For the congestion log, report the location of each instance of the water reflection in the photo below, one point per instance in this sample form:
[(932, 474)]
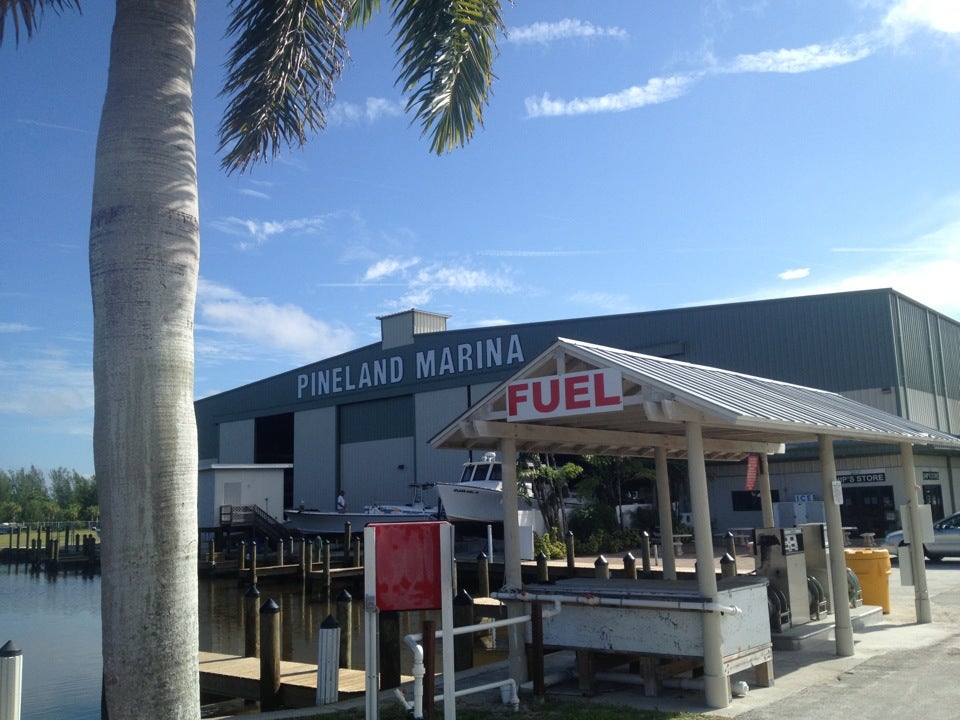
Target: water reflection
[(55, 620)]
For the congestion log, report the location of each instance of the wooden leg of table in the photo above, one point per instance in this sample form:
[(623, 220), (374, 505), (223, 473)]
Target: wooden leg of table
[(586, 672), (764, 674)]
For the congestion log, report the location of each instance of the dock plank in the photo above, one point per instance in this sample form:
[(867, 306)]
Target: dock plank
[(239, 677)]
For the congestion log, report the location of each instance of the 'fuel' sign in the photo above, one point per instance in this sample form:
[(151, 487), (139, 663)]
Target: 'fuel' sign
[(559, 395)]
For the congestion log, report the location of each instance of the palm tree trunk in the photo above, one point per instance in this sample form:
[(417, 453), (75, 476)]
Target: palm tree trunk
[(144, 262)]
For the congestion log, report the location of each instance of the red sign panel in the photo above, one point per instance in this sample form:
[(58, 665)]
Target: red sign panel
[(408, 565), (753, 462), (571, 394)]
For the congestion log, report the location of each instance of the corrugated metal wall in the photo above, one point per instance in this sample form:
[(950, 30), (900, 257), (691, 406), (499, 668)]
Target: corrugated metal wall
[(377, 419), (929, 355)]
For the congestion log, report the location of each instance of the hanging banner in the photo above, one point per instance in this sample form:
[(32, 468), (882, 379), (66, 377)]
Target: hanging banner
[(753, 467)]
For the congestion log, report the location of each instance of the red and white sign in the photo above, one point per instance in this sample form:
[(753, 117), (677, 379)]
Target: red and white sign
[(753, 467), (560, 395)]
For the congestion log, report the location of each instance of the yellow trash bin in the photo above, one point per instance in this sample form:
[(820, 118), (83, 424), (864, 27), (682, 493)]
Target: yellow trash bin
[(872, 568)]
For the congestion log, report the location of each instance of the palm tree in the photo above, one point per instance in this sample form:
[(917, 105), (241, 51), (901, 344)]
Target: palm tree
[(144, 260)]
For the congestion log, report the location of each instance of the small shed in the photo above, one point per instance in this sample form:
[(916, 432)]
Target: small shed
[(239, 485), (582, 398)]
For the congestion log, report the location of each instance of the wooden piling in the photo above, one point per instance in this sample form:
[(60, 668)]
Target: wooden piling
[(463, 644), (728, 566), (389, 639), (571, 558), (483, 575), (251, 622), (327, 575), (270, 656), (345, 618), (543, 571), (536, 635), (601, 568), (630, 566)]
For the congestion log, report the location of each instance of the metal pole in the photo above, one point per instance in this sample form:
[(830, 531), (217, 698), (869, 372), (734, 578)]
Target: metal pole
[(666, 514), (516, 656), (920, 594), (715, 683), (832, 499)]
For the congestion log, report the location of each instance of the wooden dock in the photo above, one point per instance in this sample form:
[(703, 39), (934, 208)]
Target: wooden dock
[(235, 676)]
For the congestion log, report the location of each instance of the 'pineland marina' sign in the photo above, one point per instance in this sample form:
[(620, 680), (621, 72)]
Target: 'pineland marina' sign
[(578, 393)]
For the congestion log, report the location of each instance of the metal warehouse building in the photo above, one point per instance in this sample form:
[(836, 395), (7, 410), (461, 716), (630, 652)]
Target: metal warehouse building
[(361, 421)]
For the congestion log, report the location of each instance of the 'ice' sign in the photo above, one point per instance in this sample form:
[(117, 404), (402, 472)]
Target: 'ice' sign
[(571, 394)]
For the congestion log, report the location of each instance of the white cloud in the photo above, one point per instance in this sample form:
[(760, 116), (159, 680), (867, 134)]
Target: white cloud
[(6, 327), (267, 328), (49, 386), (544, 32), (427, 281), (373, 109), (794, 274), (254, 194), (657, 90), (387, 267), (942, 16), (257, 232), (800, 60)]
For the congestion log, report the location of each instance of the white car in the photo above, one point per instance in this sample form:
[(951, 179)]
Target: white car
[(946, 542)]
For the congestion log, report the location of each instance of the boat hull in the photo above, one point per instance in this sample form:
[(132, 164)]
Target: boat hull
[(468, 502), (318, 522)]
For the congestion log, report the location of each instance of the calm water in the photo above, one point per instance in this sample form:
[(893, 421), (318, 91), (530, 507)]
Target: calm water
[(55, 621)]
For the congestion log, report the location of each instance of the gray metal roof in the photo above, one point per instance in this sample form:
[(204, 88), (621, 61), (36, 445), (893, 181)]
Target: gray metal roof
[(739, 414)]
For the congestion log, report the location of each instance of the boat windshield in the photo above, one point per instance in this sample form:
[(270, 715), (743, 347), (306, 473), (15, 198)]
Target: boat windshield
[(496, 472)]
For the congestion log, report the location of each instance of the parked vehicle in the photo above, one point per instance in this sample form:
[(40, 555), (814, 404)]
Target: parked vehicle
[(946, 533)]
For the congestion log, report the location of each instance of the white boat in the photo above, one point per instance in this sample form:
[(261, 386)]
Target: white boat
[(478, 496), (309, 521)]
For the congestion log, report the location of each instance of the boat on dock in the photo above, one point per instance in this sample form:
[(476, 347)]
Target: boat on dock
[(309, 521), (478, 496)]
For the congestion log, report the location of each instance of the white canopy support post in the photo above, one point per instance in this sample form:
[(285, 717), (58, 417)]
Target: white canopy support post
[(715, 683), (665, 507), (511, 556), (838, 561), (920, 594), (766, 496)]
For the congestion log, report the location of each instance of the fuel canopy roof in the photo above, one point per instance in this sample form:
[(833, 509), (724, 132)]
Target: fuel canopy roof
[(739, 414)]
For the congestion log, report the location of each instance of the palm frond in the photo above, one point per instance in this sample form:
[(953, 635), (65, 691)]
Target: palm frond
[(284, 61), (446, 50), (29, 13)]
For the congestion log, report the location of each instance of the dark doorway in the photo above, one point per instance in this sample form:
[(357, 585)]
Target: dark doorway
[(869, 509), (933, 496)]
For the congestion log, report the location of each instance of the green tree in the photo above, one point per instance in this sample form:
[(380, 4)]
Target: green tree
[(549, 484), (612, 479), (144, 262)]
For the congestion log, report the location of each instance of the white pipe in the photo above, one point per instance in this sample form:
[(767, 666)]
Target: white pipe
[(413, 642), (418, 673), (687, 605)]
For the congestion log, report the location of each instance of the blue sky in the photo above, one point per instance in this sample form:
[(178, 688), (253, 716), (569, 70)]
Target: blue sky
[(635, 156)]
